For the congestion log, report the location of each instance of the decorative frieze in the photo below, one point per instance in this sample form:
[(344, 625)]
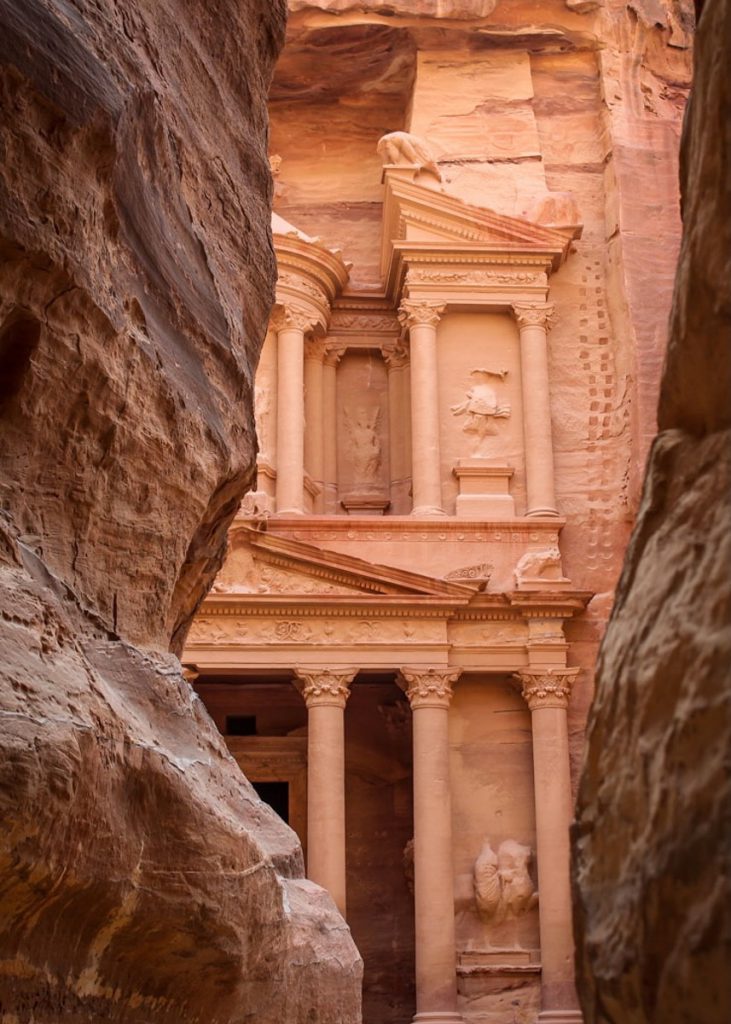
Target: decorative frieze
[(546, 688), (430, 687), (480, 278)]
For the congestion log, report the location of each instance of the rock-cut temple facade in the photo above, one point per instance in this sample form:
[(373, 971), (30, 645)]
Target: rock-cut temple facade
[(452, 405)]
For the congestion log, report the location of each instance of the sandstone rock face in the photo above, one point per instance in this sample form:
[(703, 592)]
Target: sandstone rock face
[(141, 879), (652, 870)]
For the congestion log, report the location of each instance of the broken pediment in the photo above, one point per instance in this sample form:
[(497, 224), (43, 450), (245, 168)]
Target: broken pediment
[(425, 224), (262, 565)]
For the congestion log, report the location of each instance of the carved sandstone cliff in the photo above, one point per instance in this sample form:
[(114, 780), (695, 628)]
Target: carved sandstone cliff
[(140, 877), (652, 871)]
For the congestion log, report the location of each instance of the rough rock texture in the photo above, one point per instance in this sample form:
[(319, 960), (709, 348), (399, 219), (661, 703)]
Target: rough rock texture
[(140, 877), (652, 844)]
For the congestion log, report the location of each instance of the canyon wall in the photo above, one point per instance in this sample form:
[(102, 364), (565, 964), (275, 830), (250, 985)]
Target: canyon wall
[(652, 842), (141, 879)]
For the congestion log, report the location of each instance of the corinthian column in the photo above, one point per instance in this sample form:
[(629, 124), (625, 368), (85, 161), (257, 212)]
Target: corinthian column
[(290, 323), (547, 694), (533, 323), (314, 417), (422, 318), (430, 691), (325, 692)]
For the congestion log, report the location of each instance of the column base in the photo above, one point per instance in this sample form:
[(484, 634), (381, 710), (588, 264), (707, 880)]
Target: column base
[(427, 510), (560, 1017), (546, 511), (440, 1017)]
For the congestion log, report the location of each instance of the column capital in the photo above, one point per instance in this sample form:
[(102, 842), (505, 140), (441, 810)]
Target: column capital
[(534, 314), (291, 317), (334, 352), (326, 686), (418, 312), (315, 349), (546, 687), (429, 687), (395, 354)]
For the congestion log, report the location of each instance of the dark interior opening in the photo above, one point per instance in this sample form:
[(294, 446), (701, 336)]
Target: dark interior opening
[(19, 338), (276, 794), (241, 725)]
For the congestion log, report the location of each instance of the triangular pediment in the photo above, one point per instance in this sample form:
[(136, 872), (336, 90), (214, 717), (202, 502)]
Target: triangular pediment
[(440, 216), (261, 565), (419, 216)]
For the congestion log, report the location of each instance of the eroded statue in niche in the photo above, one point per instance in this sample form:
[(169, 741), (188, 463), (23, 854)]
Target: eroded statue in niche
[(481, 405), (365, 444), (503, 886), (403, 149)]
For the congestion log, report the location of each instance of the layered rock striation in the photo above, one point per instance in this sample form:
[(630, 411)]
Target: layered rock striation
[(652, 843), (141, 879)]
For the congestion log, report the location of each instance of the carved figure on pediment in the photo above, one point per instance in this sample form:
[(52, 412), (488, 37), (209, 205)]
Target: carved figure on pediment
[(539, 565), (503, 886), (403, 149), (481, 405), (365, 455)]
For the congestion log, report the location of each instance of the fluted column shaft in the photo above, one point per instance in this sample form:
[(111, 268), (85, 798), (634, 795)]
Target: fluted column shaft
[(547, 695), (533, 324), (314, 450), (290, 325), (326, 692), (430, 692), (422, 318)]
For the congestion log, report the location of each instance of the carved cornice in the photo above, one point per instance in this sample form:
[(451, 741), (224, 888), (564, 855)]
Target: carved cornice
[(546, 688), (415, 313), (535, 314), (326, 686), (291, 317), (429, 687)]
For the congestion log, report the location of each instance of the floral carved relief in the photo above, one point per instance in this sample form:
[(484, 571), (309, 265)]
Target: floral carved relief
[(550, 688), (430, 687)]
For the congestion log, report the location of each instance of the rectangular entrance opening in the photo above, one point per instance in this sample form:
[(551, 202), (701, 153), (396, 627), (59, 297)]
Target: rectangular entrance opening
[(276, 794)]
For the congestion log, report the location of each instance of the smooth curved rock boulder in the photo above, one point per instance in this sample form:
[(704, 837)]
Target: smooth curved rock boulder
[(651, 848), (141, 879)]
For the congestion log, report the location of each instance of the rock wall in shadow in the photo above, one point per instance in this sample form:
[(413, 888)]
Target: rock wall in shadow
[(141, 879), (652, 843)]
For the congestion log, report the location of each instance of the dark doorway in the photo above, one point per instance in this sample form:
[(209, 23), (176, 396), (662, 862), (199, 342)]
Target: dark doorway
[(276, 794)]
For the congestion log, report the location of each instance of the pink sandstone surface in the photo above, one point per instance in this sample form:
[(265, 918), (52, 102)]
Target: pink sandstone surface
[(651, 852), (141, 879)]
